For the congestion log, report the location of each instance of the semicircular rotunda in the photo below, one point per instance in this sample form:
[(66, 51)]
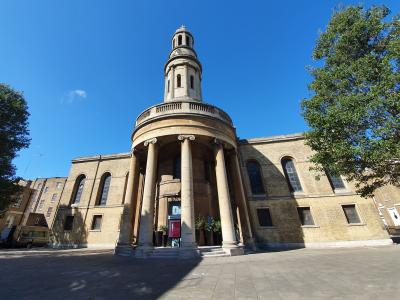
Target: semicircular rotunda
[(186, 150)]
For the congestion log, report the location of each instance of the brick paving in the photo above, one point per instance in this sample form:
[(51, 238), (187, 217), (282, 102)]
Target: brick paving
[(358, 273)]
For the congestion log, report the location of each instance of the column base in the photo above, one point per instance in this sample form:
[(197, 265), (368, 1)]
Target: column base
[(189, 252), (143, 251), (123, 250), (231, 248)]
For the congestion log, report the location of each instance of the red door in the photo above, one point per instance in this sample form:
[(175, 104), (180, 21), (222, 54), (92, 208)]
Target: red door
[(174, 229)]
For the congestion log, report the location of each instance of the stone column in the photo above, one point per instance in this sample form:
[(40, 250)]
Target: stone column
[(125, 233), (229, 243), (241, 200), (188, 239), (147, 212)]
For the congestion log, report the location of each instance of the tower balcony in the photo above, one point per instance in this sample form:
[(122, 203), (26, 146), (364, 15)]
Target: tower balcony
[(183, 108)]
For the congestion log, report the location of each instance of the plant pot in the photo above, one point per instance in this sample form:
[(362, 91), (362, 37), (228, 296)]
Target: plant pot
[(164, 240), (217, 238), (159, 238)]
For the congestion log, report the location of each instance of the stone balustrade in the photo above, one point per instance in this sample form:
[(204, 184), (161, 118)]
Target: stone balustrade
[(182, 108)]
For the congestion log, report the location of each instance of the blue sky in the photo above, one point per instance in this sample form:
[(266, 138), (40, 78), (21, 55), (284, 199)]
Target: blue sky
[(88, 68)]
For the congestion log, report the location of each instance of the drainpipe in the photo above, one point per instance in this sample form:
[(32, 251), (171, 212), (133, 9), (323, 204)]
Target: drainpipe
[(90, 196)]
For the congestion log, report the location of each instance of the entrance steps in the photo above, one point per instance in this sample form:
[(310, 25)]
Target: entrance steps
[(212, 251), (169, 252)]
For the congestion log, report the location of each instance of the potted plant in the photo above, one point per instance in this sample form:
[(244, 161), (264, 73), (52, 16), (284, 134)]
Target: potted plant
[(164, 230)]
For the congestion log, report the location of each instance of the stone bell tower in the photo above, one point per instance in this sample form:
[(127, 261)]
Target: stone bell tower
[(182, 152), (182, 71)]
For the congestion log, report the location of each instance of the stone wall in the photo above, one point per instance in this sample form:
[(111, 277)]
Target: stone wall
[(330, 225), (82, 234)]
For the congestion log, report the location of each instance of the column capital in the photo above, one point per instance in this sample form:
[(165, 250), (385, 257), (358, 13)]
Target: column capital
[(134, 151), (151, 141), (189, 137), (217, 142)]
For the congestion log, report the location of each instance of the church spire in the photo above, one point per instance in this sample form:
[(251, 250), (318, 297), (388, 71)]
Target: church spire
[(183, 70)]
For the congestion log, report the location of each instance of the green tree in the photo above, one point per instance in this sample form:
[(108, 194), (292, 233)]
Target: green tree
[(354, 111), (14, 136)]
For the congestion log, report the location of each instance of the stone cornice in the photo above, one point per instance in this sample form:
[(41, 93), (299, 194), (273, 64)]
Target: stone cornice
[(273, 139), (101, 157)]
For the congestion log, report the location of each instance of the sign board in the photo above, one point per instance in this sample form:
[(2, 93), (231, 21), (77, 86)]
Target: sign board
[(174, 229)]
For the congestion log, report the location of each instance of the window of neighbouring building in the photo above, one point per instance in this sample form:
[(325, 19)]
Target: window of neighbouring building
[(255, 177), (58, 185), (53, 197), (46, 189), (41, 204), (305, 216), (291, 175), (351, 214), (49, 211), (69, 221), (18, 201), (96, 223), (264, 217)]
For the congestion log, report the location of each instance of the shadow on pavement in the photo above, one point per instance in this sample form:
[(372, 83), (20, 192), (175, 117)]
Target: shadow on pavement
[(100, 276)]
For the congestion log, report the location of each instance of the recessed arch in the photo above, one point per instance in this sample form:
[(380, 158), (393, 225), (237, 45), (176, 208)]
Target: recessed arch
[(191, 81), (179, 40), (178, 80), (254, 173)]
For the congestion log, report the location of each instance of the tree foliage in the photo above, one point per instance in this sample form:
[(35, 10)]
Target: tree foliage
[(354, 111), (14, 136)]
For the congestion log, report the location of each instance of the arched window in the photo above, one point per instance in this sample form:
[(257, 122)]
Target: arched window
[(256, 182), (191, 81), (177, 167), (173, 43), (187, 41), (168, 86), (79, 184), (178, 80), (335, 181), (104, 187), (179, 40), (291, 175)]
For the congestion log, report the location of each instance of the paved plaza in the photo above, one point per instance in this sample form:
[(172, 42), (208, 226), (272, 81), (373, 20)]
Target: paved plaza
[(358, 273)]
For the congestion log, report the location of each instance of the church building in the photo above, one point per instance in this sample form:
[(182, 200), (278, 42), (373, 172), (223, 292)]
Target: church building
[(188, 182)]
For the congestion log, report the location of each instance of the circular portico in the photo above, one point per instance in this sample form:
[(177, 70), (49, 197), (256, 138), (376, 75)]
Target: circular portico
[(184, 151)]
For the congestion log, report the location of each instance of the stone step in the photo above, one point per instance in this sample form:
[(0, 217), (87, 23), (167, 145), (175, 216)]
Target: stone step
[(215, 254), (210, 249)]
